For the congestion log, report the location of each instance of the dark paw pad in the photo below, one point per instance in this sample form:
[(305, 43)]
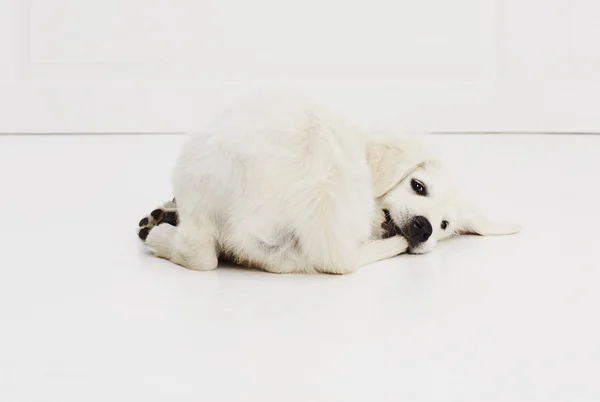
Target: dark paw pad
[(143, 233), (170, 218), (157, 214)]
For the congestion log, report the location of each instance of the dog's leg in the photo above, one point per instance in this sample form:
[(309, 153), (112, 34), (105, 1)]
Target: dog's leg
[(382, 249), (194, 246), (159, 240), (368, 253), (188, 245)]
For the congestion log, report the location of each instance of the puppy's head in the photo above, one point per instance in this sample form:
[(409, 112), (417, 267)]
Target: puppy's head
[(419, 202)]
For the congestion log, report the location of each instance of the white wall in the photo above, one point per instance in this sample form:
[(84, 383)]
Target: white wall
[(169, 65)]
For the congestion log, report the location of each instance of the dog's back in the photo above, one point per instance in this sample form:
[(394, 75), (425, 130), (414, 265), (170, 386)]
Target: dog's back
[(273, 181)]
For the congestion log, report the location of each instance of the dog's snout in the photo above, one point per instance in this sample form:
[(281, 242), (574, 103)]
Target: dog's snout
[(421, 229)]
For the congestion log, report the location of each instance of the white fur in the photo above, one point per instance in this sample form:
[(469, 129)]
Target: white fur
[(285, 185)]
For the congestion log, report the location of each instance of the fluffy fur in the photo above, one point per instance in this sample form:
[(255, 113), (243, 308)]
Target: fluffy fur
[(284, 185)]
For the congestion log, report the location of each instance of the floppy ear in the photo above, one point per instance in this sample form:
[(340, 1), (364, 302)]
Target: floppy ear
[(389, 166), (473, 222)]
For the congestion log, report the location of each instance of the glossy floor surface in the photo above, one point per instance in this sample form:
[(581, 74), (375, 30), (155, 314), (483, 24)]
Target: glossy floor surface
[(87, 315)]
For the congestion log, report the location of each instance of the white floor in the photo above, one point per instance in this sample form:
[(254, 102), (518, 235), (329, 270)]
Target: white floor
[(88, 316)]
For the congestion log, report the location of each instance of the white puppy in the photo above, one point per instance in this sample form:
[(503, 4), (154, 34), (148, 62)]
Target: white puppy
[(284, 185)]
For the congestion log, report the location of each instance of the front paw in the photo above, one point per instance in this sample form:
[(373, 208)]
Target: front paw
[(400, 244)]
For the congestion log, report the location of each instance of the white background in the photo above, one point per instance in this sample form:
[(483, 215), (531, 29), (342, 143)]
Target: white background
[(169, 65), (87, 315)]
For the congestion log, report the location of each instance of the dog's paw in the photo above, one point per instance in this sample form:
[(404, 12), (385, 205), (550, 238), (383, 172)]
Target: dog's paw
[(167, 213), (400, 244), (159, 239)]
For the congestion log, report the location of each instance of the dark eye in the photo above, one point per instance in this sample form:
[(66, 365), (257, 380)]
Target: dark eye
[(418, 187), (444, 225)]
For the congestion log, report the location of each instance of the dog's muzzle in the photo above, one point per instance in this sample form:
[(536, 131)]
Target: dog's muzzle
[(417, 231)]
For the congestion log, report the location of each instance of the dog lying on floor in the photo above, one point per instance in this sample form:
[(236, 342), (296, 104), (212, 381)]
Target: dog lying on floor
[(284, 185)]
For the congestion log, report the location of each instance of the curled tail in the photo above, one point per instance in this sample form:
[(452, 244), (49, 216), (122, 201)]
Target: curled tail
[(167, 213)]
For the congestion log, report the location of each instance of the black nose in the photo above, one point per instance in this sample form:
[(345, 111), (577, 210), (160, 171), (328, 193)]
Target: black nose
[(420, 229)]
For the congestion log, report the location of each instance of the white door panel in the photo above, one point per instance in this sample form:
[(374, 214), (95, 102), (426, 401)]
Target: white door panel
[(169, 65)]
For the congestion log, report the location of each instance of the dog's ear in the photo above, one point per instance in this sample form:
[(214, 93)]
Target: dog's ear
[(389, 165), (472, 221)]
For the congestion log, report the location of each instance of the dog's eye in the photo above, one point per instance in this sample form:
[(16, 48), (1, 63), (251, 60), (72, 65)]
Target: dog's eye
[(418, 187), (444, 225)]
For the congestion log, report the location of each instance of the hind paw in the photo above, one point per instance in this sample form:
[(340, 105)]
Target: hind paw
[(167, 213)]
